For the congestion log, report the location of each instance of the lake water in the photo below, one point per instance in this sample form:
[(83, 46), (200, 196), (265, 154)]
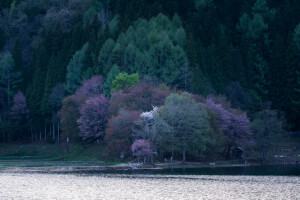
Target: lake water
[(167, 184)]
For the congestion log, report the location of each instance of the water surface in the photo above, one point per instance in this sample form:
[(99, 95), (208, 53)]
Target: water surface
[(147, 185)]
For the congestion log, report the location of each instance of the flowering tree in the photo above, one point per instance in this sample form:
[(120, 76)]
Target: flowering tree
[(152, 127), (70, 111), (141, 148), (93, 117), (141, 97), (234, 124), (91, 87), (119, 132)]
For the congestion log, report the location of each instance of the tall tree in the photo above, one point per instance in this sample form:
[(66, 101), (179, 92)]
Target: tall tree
[(9, 78), (75, 70)]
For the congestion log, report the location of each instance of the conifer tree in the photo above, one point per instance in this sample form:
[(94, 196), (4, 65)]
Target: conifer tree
[(75, 70), (114, 71)]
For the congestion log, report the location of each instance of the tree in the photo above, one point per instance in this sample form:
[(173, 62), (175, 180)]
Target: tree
[(297, 36), (103, 57), (119, 132), (124, 80), (69, 114), (112, 74), (56, 96), (152, 127), (8, 77), (19, 109), (91, 87), (234, 124), (189, 123), (268, 128), (238, 97), (75, 70), (93, 118), (140, 97), (141, 148), (20, 115), (55, 99)]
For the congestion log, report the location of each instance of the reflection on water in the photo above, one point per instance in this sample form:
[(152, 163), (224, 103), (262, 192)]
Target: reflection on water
[(146, 186)]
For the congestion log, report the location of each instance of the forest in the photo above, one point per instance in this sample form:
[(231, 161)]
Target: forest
[(189, 79)]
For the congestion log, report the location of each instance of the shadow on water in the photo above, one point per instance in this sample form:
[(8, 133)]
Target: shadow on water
[(269, 170)]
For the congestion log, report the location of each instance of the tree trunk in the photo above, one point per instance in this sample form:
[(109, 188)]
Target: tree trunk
[(183, 155), (58, 132), (228, 151), (53, 130), (45, 134)]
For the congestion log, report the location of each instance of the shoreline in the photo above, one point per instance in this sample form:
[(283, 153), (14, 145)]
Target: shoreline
[(121, 168)]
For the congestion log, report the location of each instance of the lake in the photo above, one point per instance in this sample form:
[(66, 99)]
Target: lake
[(271, 182)]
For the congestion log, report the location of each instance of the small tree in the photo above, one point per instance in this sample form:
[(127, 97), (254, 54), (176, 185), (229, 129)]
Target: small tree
[(141, 148), (93, 118)]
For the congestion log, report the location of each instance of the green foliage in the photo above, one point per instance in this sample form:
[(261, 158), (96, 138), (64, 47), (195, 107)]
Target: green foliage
[(124, 80), (190, 124), (154, 47), (297, 36), (75, 70), (89, 16), (9, 78), (114, 71), (104, 55)]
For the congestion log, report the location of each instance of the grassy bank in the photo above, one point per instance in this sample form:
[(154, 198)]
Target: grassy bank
[(45, 155)]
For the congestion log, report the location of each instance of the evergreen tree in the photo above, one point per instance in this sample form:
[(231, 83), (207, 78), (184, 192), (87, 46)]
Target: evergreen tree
[(75, 70), (114, 71), (9, 78)]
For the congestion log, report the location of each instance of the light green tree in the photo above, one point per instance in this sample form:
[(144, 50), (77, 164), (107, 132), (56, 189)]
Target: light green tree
[(124, 80)]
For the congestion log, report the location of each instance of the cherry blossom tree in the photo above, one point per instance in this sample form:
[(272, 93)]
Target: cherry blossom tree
[(141, 148), (119, 132), (140, 97), (233, 123), (91, 87), (93, 118)]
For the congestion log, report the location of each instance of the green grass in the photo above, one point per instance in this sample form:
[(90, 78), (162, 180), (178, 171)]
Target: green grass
[(45, 155)]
